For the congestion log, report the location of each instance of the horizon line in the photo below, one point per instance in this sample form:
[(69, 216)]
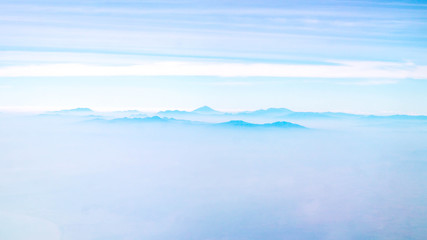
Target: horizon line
[(45, 109)]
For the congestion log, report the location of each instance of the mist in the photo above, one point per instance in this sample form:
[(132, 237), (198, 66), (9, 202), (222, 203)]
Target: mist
[(84, 177)]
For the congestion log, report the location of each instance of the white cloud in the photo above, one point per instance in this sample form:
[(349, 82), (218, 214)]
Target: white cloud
[(34, 57), (342, 69), (371, 82)]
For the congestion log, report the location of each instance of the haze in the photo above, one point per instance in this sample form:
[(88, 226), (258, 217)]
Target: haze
[(113, 175)]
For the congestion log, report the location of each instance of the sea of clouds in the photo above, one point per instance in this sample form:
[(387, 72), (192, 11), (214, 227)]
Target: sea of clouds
[(78, 177)]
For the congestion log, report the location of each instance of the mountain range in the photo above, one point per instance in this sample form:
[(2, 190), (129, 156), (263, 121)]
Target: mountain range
[(232, 123), (284, 113), (206, 113)]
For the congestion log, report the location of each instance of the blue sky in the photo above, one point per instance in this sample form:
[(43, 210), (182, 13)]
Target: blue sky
[(351, 56)]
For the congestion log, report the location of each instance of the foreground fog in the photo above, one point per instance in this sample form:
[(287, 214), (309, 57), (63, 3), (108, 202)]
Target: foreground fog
[(76, 177)]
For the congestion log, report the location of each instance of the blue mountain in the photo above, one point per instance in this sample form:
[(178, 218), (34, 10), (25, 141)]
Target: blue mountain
[(237, 123), (173, 112), (155, 119), (75, 110), (266, 112), (243, 124), (233, 123), (283, 124), (307, 115), (205, 110)]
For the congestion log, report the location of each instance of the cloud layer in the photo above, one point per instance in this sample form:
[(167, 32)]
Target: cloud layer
[(350, 69)]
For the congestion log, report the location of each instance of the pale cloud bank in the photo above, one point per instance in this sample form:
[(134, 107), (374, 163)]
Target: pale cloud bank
[(340, 69)]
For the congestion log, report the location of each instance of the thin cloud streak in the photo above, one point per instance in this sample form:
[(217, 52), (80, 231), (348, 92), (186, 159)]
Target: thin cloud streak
[(191, 10), (371, 82), (343, 69)]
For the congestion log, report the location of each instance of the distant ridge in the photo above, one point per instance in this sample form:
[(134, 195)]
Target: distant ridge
[(154, 119), (266, 112), (273, 111), (232, 123), (174, 112), (283, 124), (75, 110), (240, 123), (269, 114), (237, 123), (308, 115), (205, 110)]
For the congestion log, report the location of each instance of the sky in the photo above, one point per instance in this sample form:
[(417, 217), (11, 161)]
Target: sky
[(348, 56)]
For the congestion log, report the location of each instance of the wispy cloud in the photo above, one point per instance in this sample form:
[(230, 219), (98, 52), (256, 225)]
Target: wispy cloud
[(243, 29), (370, 82), (342, 69)]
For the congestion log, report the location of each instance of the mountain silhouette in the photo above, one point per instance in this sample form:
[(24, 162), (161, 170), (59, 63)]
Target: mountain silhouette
[(232, 123), (75, 110), (155, 119), (205, 110), (240, 123)]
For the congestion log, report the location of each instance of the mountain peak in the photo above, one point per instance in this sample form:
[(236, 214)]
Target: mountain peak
[(80, 110), (205, 109), (74, 110)]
